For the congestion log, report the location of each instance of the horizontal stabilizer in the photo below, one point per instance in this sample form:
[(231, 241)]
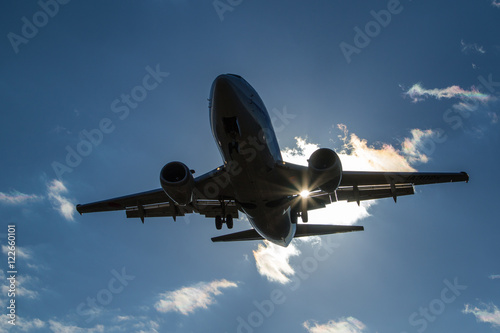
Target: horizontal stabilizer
[(251, 234), (303, 230)]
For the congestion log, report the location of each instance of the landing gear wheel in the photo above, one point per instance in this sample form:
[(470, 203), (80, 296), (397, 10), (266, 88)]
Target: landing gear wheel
[(218, 222), (293, 217), (229, 221), (304, 216)]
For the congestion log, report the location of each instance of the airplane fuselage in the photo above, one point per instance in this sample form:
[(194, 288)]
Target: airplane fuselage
[(246, 140)]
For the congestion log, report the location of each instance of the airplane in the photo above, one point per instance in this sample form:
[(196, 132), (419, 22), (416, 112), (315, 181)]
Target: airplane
[(255, 180)]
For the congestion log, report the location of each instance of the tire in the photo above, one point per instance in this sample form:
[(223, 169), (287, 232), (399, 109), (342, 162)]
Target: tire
[(229, 221), (218, 222)]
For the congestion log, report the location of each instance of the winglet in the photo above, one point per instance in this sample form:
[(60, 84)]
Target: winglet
[(78, 209), (466, 176)]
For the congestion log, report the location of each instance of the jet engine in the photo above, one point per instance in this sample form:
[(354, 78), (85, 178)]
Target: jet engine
[(178, 183), (325, 170)]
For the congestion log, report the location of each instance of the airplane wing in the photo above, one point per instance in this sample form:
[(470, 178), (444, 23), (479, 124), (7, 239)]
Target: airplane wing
[(357, 186), (364, 185), (155, 203)]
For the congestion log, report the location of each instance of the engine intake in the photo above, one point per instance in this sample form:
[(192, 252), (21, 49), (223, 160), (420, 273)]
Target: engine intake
[(178, 183), (325, 169)]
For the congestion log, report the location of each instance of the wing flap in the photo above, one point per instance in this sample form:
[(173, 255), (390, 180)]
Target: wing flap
[(350, 194)]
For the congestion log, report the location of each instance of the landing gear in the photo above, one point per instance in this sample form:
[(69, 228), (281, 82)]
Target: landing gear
[(228, 220)]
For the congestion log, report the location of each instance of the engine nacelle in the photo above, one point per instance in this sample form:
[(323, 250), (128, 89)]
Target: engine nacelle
[(325, 170), (178, 183)]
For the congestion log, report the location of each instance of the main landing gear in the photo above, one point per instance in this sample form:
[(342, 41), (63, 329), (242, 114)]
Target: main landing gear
[(228, 221)]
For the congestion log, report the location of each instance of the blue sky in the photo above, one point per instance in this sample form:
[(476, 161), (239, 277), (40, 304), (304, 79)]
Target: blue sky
[(408, 85)]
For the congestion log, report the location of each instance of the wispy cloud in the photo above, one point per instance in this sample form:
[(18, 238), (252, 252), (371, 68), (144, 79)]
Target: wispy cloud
[(418, 93), (273, 261), (55, 191), (21, 252), (17, 198), (187, 299), (22, 324), (343, 325), (473, 47), (413, 148), (21, 289), (494, 276), (495, 3), (62, 204), (488, 314), (60, 327), (493, 117)]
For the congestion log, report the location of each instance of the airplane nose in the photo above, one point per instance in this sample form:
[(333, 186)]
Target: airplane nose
[(223, 87), (226, 99)]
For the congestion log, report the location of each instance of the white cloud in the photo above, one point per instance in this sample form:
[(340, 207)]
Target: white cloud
[(495, 3), (29, 325), (413, 148), (22, 324), (471, 47), (59, 327), (494, 117), (489, 314), (417, 93), (187, 299), (273, 261), (494, 276), (21, 252), (344, 325), (60, 203), (21, 290), (17, 198)]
